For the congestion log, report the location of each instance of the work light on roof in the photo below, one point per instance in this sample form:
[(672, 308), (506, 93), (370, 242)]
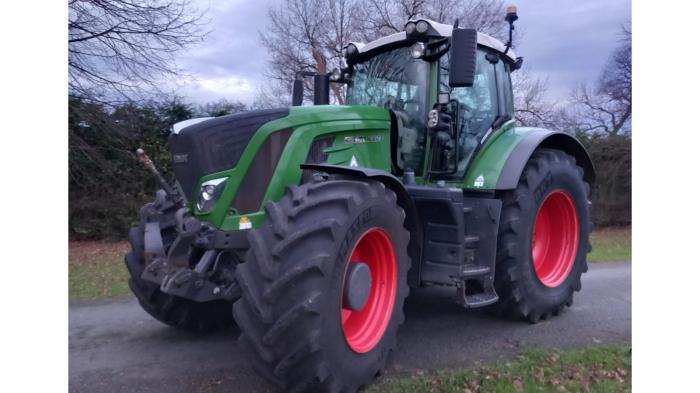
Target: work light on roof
[(410, 28), (350, 51), (421, 30), (422, 26), (418, 50)]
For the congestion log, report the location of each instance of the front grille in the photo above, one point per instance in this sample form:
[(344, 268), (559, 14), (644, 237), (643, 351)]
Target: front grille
[(317, 155), (215, 145), (257, 178)]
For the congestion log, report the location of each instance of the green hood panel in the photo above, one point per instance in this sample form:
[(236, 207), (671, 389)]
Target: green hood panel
[(322, 113), (361, 138)]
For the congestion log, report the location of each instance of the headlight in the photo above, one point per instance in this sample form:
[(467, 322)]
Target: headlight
[(209, 193)]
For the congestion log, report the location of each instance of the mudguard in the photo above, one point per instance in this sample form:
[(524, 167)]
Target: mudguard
[(500, 163), (541, 138)]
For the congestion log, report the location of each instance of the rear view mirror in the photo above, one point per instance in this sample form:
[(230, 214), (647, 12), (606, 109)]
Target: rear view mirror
[(463, 57)]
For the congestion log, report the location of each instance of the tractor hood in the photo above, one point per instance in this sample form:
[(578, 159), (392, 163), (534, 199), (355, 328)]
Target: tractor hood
[(218, 144), (215, 144)]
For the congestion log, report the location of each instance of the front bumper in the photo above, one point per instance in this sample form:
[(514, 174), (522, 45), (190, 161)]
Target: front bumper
[(199, 264)]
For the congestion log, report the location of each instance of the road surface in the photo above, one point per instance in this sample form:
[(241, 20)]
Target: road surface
[(117, 347)]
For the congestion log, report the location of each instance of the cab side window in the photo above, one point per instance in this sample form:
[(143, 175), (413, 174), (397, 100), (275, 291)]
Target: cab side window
[(503, 70), (478, 105)]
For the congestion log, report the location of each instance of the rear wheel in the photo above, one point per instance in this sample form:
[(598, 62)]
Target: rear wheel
[(323, 286), (543, 238)]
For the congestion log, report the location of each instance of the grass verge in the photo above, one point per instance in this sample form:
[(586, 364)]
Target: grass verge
[(611, 244), (604, 369), (96, 269)]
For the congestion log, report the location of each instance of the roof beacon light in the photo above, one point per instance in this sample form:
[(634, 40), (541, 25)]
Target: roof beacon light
[(511, 16)]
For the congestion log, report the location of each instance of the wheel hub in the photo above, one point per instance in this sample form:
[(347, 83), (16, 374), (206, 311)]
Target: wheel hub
[(555, 238), (369, 290), (358, 283)]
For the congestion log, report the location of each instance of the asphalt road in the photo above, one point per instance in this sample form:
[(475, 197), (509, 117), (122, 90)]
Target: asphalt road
[(117, 347)]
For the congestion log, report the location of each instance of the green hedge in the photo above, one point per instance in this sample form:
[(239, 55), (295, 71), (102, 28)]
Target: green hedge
[(107, 185), (612, 193)]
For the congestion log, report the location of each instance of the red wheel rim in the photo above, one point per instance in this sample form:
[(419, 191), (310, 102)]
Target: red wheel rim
[(364, 328), (555, 238)]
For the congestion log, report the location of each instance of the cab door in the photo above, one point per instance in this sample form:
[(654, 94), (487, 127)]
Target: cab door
[(482, 108)]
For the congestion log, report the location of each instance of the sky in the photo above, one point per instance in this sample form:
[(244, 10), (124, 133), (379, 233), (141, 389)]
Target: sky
[(565, 41)]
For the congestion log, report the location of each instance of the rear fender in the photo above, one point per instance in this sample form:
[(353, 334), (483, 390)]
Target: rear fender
[(515, 164), (500, 163)]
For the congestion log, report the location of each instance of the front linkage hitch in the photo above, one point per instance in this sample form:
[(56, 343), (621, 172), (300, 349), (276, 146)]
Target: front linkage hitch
[(173, 271), (200, 263)]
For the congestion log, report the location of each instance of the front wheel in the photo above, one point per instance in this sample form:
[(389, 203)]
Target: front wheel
[(543, 238), (323, 286)]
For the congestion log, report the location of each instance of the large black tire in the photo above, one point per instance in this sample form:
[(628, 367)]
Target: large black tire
[(171, 310), (522, 293), (289, 312)]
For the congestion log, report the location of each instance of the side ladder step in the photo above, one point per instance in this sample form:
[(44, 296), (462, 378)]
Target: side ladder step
[(480, 299), (471, 241), (475, 300), (470, 271)]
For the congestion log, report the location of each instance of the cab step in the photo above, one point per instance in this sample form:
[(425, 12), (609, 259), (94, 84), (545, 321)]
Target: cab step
[(472, 271), (471, 242), (480, 300)]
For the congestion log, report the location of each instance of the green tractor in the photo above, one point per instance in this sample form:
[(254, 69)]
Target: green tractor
[(306, 226)]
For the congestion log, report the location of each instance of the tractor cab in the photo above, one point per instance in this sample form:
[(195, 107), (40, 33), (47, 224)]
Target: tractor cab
[(447, 89)]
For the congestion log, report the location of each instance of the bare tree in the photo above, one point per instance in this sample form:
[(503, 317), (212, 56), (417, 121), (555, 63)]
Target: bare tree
[(119, 49), (532, 107), (607, 107), (310, 34), (307, 35), (383, 17)]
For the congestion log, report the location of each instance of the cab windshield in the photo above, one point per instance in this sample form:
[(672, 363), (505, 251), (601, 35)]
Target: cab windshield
[(394, 80)]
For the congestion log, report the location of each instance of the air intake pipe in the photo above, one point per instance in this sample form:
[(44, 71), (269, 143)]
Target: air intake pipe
[(321, 88)]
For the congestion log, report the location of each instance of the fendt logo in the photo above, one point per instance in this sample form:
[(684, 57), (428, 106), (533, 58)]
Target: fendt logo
[(180, 158), (362, 139)]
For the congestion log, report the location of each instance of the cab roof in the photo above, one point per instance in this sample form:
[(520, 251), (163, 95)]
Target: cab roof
[(444, 30)]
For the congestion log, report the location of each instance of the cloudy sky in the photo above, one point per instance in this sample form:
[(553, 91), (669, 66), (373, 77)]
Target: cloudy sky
[(566, 41)]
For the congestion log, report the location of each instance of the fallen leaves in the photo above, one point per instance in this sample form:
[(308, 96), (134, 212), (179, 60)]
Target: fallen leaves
[(518, 384), (587, 371)]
